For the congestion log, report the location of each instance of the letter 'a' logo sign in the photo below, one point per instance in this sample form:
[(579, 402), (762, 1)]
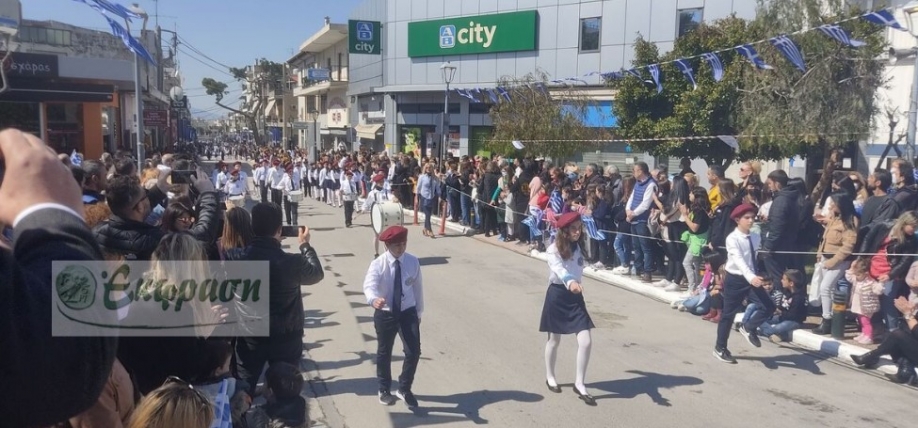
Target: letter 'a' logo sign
[(365, 31), (447, 36)]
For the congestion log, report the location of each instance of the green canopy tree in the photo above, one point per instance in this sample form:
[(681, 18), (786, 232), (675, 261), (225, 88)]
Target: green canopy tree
[(549, 121), (776, 113), (267, 73)]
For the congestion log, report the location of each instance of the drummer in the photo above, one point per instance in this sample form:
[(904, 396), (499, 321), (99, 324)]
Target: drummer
[(234, 187), (377, 195), (291, 183)]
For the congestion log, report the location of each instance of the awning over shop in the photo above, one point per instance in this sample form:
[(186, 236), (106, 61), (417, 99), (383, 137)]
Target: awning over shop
[(45, 91), (368, 131), (270, 108)]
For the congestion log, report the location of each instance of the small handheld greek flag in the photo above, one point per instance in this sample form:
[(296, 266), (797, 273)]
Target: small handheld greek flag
[(75, 158), (556, 202), (592, 230)]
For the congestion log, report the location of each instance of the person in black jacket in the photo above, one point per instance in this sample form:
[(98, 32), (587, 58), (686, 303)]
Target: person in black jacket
[(127, 234), (53, 378), (287, 273), (783, 226), (880, 206), (903, 180)]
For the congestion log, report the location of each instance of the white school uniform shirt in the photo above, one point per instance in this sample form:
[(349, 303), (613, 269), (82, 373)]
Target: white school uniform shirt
[(261, 175), (564, 271), (374, 197), (277, 174), (323, 175), (349, 189), (235, 187), (740, 259), (287, 184), (222, 178), (314, 174), (380, 282), (296, 177)]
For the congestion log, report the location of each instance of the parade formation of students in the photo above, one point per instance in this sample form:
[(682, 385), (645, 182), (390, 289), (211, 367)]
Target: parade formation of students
[(761, 248)]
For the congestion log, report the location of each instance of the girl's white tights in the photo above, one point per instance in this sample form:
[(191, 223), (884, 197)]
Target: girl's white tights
[(584, 345)]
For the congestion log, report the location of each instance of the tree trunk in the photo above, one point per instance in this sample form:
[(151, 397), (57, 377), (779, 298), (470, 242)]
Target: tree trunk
[(828, 169)]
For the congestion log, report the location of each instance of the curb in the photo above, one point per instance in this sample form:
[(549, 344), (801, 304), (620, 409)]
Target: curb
[(826, 346)]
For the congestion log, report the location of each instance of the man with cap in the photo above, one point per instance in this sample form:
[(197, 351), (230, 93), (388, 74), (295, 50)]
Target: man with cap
[(742, 282), (394, 288), (377, 195)]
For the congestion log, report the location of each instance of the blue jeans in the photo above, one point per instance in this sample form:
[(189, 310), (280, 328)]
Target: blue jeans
[(694, 307), (478, 222), (780, 328), (750, 309), (623, 249), (643, 247), (465, 202), (427, 206), (891, 290)]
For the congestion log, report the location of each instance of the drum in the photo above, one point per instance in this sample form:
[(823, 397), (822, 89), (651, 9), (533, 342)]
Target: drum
[(295, 195), (236, 201), (386, 214)]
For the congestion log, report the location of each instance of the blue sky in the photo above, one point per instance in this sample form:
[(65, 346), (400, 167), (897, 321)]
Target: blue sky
[(232, 32)]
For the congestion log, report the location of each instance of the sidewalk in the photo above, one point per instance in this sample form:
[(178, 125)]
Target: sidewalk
[(826, 346)]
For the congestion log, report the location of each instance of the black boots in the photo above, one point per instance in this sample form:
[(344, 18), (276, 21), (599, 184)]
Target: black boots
[(824, 328), (868, 360), (905, 373)]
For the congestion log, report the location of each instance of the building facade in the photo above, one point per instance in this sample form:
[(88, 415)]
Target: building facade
[(74, 87), (402, 86), (321, 72)]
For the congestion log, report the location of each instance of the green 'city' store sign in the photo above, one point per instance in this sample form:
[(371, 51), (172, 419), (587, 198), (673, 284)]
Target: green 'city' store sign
[(502, 32)]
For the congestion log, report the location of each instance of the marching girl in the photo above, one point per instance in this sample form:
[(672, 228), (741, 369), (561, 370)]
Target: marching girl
[(564, 311)]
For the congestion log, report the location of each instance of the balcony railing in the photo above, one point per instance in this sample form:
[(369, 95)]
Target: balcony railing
[(336, 74)]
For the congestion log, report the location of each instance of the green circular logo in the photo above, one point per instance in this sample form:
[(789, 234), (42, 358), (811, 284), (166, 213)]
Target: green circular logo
[(76, 287)]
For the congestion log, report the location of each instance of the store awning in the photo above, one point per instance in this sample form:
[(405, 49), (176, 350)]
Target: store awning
[(270, 108), (368, 131), (39, 91)]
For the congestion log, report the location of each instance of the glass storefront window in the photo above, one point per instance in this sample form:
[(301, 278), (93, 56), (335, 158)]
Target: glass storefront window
[(23, 116), (65, 126)]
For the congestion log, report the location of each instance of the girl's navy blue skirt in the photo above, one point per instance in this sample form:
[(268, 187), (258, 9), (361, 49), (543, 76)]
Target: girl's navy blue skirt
[(564, 312)]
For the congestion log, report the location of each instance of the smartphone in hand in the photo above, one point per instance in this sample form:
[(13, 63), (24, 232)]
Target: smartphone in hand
[(183, 177), (291, 231)]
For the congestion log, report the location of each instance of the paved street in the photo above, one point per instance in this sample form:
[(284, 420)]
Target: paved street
[(482, 354)]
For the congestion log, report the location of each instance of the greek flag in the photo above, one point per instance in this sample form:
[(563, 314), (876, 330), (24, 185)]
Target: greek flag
[(717, 66), (591, 228), (686, 69), (534, 221), (75, 158), (132, 44), (503, 92), (655, 73), (613, 75), (634, 72), (116, 9), (466, 94), (790, 50), (753, 56), (555, 201), (883, 17), (492, 95), (839, 33)]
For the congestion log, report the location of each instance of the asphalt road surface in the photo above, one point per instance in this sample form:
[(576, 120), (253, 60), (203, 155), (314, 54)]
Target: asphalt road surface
[(482, 353)]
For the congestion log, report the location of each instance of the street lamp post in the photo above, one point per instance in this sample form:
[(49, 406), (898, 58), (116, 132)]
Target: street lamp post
[(138, 91), (911, 11), (449, 72), (314, 150)]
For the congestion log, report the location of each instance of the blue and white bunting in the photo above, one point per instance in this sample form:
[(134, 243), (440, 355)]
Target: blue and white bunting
[(838, 33), (790, 50), (753, 56), (686, 69), (783, 43), (132, 44), (655, 74), (106, 6), (884, 17), (716, 65)]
